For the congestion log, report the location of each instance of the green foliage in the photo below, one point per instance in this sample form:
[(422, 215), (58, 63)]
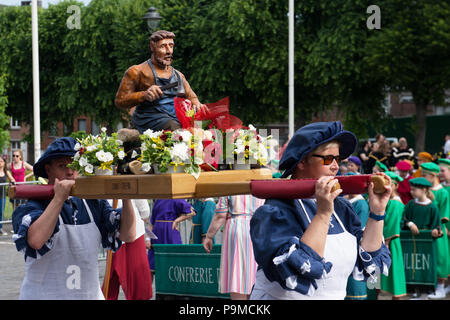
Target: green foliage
[(412, 53), (235, 48), (4, 119)]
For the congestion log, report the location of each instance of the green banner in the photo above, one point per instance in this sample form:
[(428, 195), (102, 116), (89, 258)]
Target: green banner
[(187, 270), (419, 257)]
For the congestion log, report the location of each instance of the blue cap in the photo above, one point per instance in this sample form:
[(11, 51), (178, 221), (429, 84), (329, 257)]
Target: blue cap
[(355, 160), (309, 137), (61, 147)]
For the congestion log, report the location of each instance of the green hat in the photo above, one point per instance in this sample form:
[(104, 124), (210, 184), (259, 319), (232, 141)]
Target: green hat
[(430, 167), (381, 166), (444, 161), (420, 182), (394, 177)]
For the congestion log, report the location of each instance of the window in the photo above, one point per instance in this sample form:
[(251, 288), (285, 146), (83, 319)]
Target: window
[(406, 97), (14, 124), (82, 125), (53, 131), (95, 128)]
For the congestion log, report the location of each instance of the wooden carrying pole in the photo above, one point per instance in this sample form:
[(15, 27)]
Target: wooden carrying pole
[(174, 186)]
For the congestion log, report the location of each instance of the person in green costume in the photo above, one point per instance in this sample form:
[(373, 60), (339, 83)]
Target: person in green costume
[(357, 290), (444, 177), (379, 167), (421, 212), (430, 171), (205, 209), (395, 282)]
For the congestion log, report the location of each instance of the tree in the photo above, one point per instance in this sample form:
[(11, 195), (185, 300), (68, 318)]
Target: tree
[(4, 119), (411, 52)]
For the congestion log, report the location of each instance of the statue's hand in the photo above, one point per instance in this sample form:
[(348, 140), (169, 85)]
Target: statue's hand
[(153, 93), (199, 107)]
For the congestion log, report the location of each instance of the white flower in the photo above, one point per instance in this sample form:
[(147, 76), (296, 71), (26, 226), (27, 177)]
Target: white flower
[(77, 146), (89, 168), (104, 156), (180, 152), (198, 160), (76, 157), (251, 127), (103, 129), (152, 134), (145, 167), (208, 135), (240, 147), (91, 148), (186, 135), (83, 161), (134, 154), (121, 154)]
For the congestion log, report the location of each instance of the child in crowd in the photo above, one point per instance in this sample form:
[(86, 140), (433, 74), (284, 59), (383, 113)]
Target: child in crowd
[(354, 164), (422, 157), (404, 189), (379, 167), (444, 177), (395, 282), (421, 212), (430, 171), (357, 290)]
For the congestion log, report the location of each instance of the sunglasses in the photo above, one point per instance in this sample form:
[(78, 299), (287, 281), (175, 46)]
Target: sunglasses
[(328, 159), (16, 156)]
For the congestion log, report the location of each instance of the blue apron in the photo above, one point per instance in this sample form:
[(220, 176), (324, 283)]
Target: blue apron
[(153, 115)]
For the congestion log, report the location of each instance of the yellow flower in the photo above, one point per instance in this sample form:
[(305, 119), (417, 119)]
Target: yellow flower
[(106, 165)]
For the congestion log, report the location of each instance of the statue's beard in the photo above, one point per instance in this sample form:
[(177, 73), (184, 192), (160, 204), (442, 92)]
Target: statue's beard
[(165, 61)]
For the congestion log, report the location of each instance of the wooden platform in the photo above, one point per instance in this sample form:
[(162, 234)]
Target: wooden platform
[(168, 186)]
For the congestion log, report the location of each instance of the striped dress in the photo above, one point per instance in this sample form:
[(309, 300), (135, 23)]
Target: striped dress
[(237, 262)]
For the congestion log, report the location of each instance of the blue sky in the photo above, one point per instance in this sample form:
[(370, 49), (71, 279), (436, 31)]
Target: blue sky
[(44, 2)]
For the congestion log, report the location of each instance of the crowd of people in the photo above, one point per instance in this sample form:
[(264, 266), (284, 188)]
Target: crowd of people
[(420, 200), (389, 152)]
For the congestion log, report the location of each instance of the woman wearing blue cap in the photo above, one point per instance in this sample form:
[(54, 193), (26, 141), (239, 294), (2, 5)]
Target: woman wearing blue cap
[(60, 238), (307, 248)]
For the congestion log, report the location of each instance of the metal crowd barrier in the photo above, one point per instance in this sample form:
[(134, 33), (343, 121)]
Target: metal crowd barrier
[(8, 205)]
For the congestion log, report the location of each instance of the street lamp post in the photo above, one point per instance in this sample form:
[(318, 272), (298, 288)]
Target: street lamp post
[(153, 18), (36, 94), (291, 68)]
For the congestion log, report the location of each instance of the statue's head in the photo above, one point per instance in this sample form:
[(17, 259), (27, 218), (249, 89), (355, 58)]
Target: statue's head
[(161, 47)]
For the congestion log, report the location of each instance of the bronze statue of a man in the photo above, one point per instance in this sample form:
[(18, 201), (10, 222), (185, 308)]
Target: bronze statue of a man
[(143, 86)]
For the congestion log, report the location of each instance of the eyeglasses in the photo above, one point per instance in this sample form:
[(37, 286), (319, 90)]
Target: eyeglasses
[(328, 159), (16, 156)]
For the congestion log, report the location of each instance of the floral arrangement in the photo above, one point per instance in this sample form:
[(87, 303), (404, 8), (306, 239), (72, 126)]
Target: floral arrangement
[(99, 151), (172, 148), (251, 148), (200, 150)]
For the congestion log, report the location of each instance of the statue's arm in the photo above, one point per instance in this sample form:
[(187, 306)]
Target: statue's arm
[(190, 94), (127, 96)]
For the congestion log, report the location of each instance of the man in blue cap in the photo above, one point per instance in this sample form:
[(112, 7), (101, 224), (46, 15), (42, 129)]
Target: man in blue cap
[(60, 237), (307, 248)]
